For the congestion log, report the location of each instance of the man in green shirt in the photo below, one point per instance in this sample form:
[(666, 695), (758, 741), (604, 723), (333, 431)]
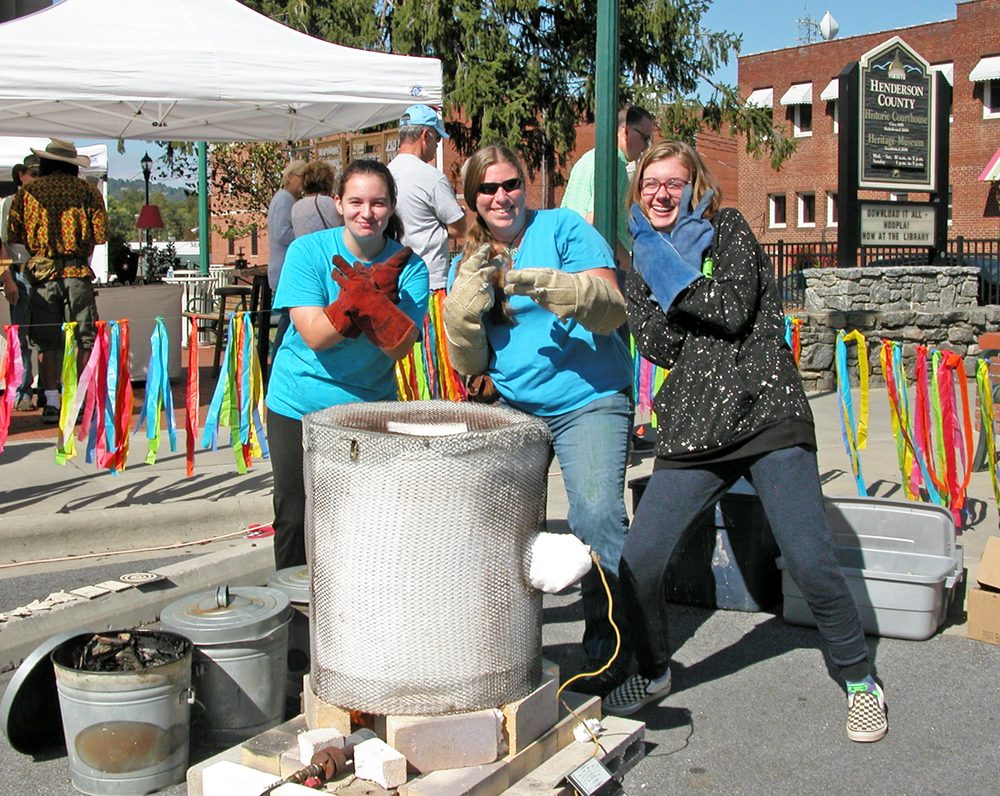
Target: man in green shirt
[(635, 133)]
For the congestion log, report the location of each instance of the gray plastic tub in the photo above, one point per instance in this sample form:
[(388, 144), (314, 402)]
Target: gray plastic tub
[(901, 561)]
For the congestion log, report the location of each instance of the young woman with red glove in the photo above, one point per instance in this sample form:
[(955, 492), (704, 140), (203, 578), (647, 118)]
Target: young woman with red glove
[(357, 300)]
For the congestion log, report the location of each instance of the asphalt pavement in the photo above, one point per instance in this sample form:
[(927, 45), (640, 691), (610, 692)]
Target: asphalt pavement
[(754, 708)]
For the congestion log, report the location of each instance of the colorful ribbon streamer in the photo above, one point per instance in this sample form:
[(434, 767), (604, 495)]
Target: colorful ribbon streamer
[(13, 371), (158, 397), (192, 399), (855, 435), (238, 401), (987, 422)]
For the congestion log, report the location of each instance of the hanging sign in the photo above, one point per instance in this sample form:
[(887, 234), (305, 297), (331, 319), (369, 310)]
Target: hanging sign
[(896, 113)]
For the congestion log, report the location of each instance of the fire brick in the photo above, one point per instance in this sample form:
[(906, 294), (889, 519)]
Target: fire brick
[(430, 743), (375, 760)]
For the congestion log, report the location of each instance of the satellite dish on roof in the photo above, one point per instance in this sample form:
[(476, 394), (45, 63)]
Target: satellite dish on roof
[(828, 26)]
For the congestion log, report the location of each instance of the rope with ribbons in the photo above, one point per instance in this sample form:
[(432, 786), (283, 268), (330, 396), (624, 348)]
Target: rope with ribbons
[(238, 401)]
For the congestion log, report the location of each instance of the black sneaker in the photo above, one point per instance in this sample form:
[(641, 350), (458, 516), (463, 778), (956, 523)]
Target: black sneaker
[(50, 415), (634, 693), (603, 683)]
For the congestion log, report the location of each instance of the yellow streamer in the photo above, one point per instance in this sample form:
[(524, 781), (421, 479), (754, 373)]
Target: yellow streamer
[(861, 442)]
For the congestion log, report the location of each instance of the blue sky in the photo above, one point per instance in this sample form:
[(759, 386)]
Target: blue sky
[(774, 24), (765, 26)]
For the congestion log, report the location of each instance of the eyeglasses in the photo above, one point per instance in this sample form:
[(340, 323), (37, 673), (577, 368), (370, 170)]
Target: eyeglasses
[(646, 139), (651, 185), (490, 188)]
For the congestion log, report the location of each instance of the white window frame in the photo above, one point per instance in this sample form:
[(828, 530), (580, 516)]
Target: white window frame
[(831, 208), (836, 116), (797, 127), (991, 98), (800, 208), (771, 201), (951, 199)]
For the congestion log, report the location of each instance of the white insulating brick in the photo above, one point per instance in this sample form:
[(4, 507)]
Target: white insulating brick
[(430, 743), (378, 762), (313, 741), (231, 779), (529, 718)]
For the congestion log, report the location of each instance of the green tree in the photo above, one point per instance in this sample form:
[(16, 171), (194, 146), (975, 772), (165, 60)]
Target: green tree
[(521, 72), (244, 178)]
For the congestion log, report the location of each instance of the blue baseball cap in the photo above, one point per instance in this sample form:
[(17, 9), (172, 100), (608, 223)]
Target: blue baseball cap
[(425, 116)]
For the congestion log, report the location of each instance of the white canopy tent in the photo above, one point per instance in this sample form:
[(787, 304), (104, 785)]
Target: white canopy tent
[(193, 70)]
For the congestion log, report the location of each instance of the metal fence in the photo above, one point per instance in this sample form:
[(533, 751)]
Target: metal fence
[(790, 258)]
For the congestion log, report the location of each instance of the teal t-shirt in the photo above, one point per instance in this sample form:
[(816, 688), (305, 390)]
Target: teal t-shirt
[(303, 380), (540, 364)]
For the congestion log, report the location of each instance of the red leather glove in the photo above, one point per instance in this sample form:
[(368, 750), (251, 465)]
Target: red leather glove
[(382, 322), (386, 273)]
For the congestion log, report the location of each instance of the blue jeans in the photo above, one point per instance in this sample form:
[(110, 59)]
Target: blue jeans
[(787, 482), (591, 444)]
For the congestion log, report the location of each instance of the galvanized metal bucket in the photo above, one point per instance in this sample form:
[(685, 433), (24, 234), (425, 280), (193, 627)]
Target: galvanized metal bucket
[(126, 732), (240, 639)]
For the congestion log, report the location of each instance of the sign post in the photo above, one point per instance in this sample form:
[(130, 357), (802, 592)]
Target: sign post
[(892, 139)]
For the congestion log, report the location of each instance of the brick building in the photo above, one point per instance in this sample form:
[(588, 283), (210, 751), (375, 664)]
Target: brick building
[(797, 203), (545, 188)]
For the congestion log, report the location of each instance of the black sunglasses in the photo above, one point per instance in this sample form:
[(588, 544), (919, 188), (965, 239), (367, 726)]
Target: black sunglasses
[(490, 188)]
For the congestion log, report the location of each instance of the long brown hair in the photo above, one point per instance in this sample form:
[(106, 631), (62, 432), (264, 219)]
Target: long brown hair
[(372, 168), (701, 178), (473, 171)]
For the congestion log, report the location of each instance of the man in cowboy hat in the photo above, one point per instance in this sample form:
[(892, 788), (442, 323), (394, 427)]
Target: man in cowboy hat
[(59, 218)]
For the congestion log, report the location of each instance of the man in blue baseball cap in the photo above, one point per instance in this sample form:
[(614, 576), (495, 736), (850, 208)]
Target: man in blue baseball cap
[(431, 217), (422, 116)]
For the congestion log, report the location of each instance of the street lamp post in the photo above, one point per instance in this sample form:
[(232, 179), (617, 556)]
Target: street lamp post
[(147, 169)]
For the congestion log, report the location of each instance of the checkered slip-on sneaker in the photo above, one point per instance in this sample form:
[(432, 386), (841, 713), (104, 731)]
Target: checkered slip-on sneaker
[(635, 692), (866, 719)]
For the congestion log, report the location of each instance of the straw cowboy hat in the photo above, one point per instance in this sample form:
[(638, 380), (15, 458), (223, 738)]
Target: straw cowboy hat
[(57, 149)]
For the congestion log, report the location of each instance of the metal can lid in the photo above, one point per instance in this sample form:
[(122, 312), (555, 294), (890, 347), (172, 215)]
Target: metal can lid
[(293, 581), (30, 714), (228, 615)]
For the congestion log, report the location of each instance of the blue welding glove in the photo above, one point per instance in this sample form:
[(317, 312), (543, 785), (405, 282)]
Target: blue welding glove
[(657, 260), (692, 233)]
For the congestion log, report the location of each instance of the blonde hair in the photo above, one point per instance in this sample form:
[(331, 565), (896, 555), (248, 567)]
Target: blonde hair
[(701, 178), (293, 169)]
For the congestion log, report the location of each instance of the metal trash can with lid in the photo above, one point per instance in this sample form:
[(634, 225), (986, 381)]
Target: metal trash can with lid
[(240, 639), (294, 581)]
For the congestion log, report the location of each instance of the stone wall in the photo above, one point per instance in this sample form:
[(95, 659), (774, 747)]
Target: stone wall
[(926, 305)]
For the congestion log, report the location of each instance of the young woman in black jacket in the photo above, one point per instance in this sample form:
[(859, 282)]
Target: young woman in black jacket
[(702, 302)]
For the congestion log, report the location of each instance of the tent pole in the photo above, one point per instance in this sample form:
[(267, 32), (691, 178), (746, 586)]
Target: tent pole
[(204, 237)]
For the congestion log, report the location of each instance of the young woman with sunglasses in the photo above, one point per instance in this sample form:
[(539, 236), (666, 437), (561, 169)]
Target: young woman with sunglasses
[(702, 302), (533, 303), (356, 299)]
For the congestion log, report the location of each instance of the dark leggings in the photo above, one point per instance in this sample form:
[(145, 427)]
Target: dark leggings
[(787, 482), (284, 435)]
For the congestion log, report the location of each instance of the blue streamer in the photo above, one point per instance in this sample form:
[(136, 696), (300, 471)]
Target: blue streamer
[(847, 412)]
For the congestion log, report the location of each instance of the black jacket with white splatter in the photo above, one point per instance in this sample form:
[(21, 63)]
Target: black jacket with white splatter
[(733, 388)]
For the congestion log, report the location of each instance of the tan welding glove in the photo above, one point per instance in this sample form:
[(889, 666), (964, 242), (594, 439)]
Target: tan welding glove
[(470, 297), (595, 303)]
